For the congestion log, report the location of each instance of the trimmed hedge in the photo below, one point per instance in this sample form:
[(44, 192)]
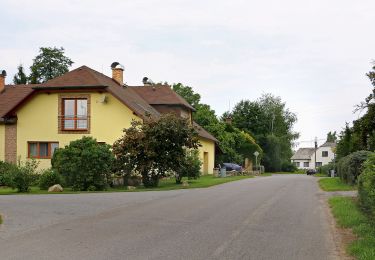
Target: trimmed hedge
[(350, 167), (366, 186)]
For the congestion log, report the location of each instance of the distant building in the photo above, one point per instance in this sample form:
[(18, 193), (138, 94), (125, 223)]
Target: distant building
[(304, 158)]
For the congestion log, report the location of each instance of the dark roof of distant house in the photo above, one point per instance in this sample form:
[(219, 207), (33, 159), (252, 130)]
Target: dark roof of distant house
[(328, 144), (203, 133), (161, 95), (303, 154), (12, 96)]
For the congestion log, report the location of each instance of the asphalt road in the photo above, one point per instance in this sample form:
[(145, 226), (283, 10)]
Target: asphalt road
[(278, 217)]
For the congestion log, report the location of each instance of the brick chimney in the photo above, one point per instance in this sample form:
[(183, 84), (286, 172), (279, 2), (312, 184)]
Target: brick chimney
[(118, 72), (2, 80)]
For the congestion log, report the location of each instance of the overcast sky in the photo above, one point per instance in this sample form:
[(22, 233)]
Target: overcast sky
[(313, 54)]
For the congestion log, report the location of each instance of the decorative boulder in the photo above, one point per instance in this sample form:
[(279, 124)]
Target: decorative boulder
[(56, 188), (131, 188), (185, 184)]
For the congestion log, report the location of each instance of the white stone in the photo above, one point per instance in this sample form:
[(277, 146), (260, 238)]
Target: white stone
[(56, 188)]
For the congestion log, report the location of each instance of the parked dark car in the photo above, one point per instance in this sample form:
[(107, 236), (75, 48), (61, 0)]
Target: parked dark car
[(310, 172), (232, 167)]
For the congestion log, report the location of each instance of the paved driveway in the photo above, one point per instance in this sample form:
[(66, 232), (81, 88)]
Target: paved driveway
[(278, 217)]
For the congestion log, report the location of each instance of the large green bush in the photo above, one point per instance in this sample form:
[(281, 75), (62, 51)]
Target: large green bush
[(49, 178), (190, 167), (288, 167), (84, 164), (366, 186), (350, 167), (154, 148)]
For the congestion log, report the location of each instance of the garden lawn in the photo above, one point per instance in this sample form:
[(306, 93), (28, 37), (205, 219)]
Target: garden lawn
[(164, 184), (334, 184), (348, 215)]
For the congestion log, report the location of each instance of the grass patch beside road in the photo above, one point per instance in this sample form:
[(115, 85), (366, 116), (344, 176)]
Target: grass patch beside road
[(1, 220), (165, 184), (334, 184), (348, 215), (296, 172)]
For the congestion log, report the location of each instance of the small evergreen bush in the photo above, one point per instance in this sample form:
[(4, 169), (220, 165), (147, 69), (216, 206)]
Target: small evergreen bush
[(5, 169), (49, 178), (84, 164), (326, 169), (190, 166)]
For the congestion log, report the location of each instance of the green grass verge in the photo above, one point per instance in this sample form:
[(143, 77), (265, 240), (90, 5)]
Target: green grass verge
[(348, 215), (165, 184), (320, 175), (334, 184), (1, 220), (296, 172)]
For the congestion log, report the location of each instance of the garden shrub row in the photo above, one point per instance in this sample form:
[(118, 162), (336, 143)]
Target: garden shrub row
[(366, 186), (350, 167), (20, 176), (150, 150)]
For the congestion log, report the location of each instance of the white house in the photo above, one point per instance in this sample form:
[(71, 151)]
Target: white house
[(304, 158)]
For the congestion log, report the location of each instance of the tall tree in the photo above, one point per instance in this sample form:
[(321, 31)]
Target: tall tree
[(48, 64), (271, 123), (234, 143), (20, 77), (187, 93), (361, 136), (331, 137)]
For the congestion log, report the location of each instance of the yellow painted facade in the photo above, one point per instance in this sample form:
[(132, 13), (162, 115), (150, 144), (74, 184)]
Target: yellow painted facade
[(208, 159), (38, 121), (2, 142)]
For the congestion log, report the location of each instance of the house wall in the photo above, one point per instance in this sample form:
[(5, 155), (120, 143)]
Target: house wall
[(324, 160), (209, 147), (38, 121), (301, 162), (2, 142)]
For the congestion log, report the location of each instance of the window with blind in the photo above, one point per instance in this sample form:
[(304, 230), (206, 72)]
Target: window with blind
[(41, 150)]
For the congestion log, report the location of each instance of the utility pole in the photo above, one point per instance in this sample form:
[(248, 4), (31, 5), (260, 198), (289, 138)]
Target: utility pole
[(316, 147)]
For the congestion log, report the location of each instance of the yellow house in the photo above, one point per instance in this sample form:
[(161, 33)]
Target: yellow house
[(37, 119)]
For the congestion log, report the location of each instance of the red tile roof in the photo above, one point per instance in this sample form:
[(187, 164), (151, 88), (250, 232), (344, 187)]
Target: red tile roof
[(12, 96), (87, 77)]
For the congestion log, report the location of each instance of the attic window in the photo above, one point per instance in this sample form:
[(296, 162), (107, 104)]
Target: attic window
[(74, 114)]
